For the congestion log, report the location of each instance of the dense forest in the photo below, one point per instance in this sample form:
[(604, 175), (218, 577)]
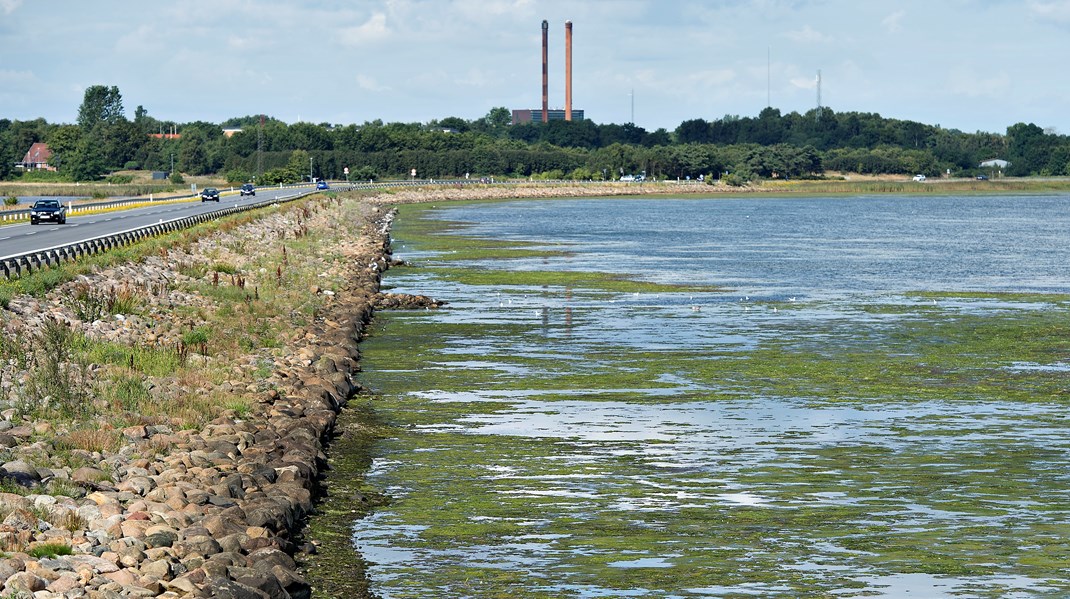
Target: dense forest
[(771, 145)]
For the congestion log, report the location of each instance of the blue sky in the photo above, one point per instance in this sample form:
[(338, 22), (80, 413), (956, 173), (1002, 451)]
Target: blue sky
[(974, 65)]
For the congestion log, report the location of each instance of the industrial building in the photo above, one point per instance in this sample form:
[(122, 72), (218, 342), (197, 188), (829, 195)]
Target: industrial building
[(528, 115), (545, 114)]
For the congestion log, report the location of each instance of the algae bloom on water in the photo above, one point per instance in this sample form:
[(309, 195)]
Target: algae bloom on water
[(571, 427)]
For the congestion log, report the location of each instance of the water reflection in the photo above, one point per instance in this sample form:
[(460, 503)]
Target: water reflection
[(725, 493)]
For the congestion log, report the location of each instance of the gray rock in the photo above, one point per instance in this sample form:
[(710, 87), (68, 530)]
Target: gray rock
[(221, 588), (22, 471), (198, 545)]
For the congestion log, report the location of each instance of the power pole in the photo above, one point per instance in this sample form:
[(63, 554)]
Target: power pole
[(819, 90), (260, 150)]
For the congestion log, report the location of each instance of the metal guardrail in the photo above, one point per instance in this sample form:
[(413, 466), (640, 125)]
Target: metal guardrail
[(21, 264), (22, 213)]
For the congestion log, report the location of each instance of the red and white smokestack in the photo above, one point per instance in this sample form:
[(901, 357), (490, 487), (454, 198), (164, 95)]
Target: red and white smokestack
[(545, 72), (568, 70)]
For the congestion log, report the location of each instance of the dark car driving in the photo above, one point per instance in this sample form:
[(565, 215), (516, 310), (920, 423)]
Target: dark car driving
[(52, 210), (210, 194), (248, 190)]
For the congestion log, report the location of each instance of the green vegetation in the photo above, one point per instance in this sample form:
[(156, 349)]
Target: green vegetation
[(770, 146), (74, 379), (809, 457), (49, 550)]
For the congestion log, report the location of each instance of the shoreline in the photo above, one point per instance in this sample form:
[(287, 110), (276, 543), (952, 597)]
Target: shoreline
[(223, 509), (203, 511), (177, 511)]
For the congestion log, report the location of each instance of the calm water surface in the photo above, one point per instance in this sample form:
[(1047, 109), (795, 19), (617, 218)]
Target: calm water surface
[(559, 441)]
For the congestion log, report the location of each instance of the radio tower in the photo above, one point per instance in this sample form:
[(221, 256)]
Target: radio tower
[(260, 150), (819, 90)]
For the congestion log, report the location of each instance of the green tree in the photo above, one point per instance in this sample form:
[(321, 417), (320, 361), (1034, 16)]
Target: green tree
[(101, 104), (86, 161), (8, 153), (497, 121), (192, 157), (299, 166)]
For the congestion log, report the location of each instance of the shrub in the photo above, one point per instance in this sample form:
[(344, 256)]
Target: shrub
[(734, 179), (11, 201), (196, 336), (56, 382), (90, 439), (132, 165), (364, 173), (177, 179), (237, 176), (49, 550)]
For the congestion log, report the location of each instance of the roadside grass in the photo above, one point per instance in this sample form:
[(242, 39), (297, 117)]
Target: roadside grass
[(255, 299), (931, 187), (49, 550)]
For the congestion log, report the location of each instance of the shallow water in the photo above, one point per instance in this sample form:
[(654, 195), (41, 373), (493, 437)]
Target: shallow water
[(814, 429)]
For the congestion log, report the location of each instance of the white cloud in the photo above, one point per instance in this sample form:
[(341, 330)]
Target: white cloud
[(893, 22), (368, 83), (9, 6), (1052, 11), (808, 35), (485, 10), (970, 84), (804, 82), (9, 77), (375, 29), (477, 78), (142, 41)]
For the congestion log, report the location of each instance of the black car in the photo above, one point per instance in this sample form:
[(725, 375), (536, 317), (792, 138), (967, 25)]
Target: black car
[(248, 190), (52, 210), (210, 194), (982, 177)]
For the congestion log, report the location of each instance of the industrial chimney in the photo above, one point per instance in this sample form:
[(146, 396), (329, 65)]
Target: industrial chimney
[(568, 70), (545, 73)]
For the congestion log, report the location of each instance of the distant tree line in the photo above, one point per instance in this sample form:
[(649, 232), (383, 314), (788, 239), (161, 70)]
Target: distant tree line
[(771, 145)]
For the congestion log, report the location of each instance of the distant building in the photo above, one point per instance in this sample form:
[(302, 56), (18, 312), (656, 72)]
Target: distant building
[(995, 163), (166, 135), (36, 158), (535, 114), (230, 131)]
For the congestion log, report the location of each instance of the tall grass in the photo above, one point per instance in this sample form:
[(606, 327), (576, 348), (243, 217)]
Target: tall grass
[(89, 190), (933, 187), (246, 318)]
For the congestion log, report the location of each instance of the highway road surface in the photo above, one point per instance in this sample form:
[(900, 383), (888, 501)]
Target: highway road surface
[(23, 237)]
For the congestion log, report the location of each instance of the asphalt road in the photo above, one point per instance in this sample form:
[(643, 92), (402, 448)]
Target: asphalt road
[(23, 237)]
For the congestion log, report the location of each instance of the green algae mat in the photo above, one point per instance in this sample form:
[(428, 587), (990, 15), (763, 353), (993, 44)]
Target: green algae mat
[(588, 434)]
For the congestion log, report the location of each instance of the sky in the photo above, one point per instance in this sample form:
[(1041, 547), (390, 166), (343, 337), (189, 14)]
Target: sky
[(972, 65)]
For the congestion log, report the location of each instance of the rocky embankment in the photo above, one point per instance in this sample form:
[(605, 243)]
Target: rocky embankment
[(174, 510), (108, 502)]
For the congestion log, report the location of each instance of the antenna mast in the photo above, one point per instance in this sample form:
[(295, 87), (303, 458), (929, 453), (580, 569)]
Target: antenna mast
[(819, 90), (260, 150)]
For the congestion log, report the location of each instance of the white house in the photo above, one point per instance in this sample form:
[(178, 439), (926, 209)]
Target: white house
[(995, 163)]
